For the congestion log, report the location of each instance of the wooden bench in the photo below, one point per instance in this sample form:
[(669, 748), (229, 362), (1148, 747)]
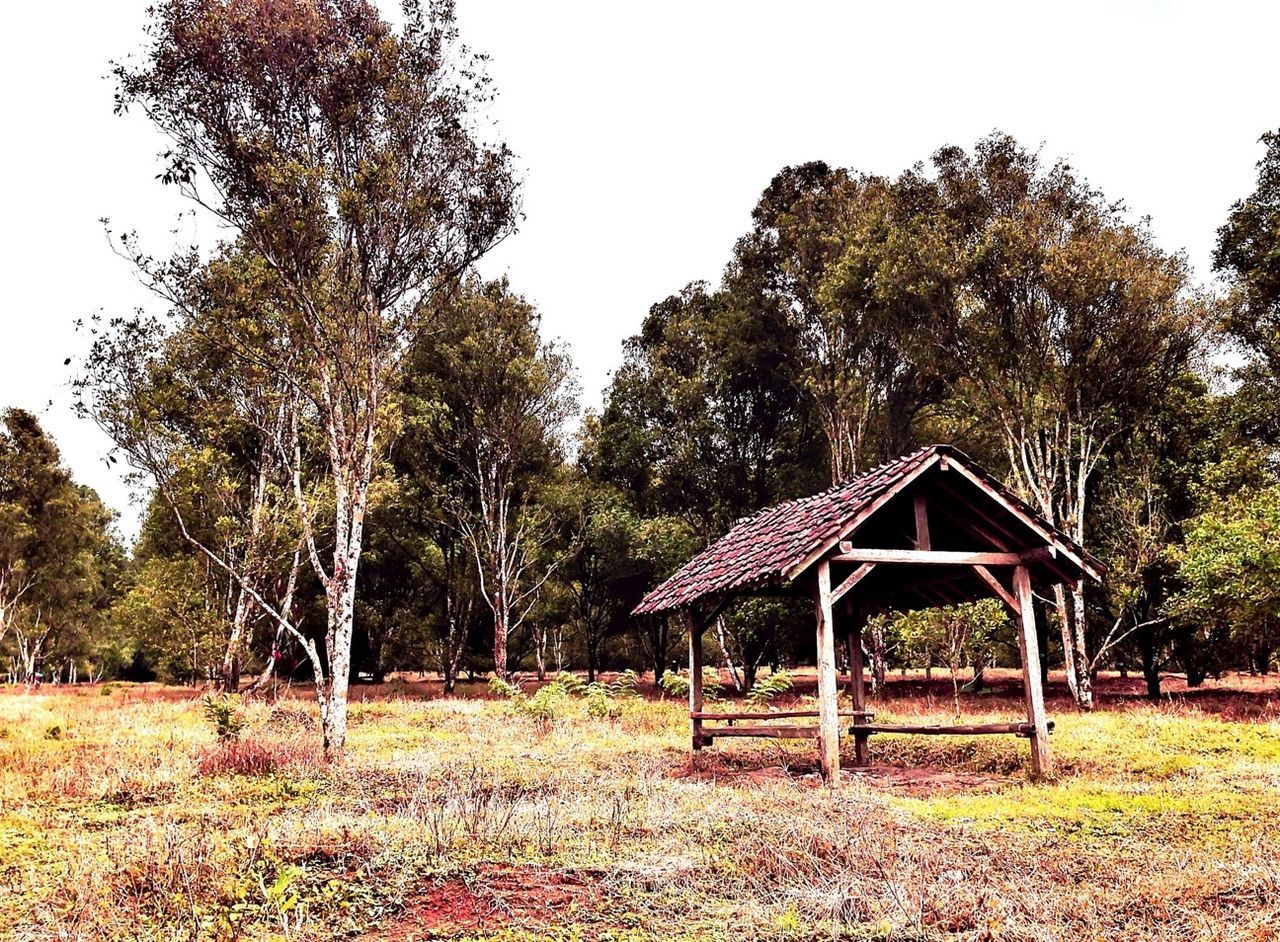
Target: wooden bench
[(764, 730)]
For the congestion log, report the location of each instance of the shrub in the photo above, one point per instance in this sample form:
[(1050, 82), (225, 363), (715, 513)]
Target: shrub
[(53, 732), (544, 707), (604, 700), (223, 713), (601, 705), (501, 689), (624, 687), (396, 686)]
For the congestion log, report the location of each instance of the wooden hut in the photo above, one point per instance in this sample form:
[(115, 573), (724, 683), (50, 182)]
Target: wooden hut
[(931, 528)]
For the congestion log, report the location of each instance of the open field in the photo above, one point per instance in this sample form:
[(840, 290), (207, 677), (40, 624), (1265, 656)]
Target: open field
[(122, 818)]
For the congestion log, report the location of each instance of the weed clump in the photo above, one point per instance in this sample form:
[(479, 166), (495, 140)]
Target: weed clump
[(251, 757)]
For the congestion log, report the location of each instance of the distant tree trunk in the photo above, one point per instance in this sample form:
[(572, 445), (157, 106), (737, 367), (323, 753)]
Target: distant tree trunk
[(500, 645), (657, 632), (979, 675), (877, 655), (593, 656), (557, 642), (540, 651)]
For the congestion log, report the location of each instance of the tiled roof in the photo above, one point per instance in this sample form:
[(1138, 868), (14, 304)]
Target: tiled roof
[(767, 547), (764, 547)]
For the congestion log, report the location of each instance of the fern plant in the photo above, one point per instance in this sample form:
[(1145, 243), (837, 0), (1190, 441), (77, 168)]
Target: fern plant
[(676, 685), (766, 688)]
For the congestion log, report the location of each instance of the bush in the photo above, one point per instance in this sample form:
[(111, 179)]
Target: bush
[(604, 701), (601, 705), (223, 713), (571, 684), (501, 689)]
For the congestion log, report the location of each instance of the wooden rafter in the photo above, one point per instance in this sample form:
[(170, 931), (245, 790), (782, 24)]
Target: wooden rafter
[(998, 588), (1027, 518), (857, 576), (978, 513)]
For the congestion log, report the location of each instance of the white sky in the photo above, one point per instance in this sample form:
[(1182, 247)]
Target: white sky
[(647, 131)]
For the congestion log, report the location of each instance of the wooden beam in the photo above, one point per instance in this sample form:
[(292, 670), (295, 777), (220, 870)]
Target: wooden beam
[(1048, 560), (998, 588), (922, 523), (973, 509), (716, 610), (978, 523), (1029, 645), (858, 575), (858, 554), (763, 732), (970, 729), (828, 719), (695, 680), (783, 715)]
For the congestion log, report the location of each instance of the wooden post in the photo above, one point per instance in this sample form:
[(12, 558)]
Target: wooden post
[(1029, 644), (695, 676), (828, 687), (856, 688)]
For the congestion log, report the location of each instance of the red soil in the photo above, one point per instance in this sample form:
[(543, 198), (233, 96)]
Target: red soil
[(496, 897)]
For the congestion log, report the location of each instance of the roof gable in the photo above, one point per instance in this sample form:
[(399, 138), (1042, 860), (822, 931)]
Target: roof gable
[(779, 543)]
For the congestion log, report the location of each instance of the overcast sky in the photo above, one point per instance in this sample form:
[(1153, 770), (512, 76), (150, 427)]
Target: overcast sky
[(646, 131)]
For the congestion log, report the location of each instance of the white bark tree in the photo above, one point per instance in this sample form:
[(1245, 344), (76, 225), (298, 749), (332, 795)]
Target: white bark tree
[(344, 155)]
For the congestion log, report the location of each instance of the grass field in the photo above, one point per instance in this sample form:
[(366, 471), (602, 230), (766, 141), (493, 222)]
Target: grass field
[(121, 817)]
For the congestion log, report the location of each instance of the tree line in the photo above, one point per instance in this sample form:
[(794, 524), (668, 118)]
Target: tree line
[(362, 457)]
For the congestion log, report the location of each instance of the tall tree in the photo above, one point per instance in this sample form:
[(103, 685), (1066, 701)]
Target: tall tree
[(1248, 253), (56, 551), (344, 154), (1073, 322), (860, 266), (501, 395)]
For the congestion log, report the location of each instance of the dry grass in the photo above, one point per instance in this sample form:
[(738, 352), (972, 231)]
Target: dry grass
[(121, 817)]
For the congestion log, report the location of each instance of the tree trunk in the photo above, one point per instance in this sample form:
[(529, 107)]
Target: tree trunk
[(500, 647), (540, 651), (231, 657), (341, 608), (658, 631), (1084, 675)]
